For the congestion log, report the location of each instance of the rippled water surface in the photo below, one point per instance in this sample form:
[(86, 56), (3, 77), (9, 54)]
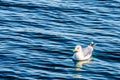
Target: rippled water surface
[(37, 38)]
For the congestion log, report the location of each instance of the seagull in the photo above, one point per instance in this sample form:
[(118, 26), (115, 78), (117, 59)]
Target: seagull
[(83, 53)]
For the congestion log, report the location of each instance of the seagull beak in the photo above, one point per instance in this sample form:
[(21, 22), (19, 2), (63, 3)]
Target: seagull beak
[(74, 50)]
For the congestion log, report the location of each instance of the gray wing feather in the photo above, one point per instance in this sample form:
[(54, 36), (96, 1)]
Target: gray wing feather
[(87, 51)]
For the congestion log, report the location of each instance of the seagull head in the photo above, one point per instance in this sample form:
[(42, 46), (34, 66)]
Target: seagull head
[(77, 48)]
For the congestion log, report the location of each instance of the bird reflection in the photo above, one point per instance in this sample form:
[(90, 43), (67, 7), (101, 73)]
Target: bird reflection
[(79, 64)]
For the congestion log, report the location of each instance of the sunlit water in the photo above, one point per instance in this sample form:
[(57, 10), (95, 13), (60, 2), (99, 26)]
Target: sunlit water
[(37, 38)]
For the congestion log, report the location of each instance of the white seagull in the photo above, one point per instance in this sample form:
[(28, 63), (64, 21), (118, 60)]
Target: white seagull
[(83, 53)]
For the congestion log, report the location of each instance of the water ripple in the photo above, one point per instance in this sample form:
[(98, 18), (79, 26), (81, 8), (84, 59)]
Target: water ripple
[(37, 39)]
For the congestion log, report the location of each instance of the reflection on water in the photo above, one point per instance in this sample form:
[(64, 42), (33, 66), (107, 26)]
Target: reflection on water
[(79, 64), (77, 76)]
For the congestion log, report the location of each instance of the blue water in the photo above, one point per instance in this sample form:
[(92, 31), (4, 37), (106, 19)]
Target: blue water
[(37, 38)]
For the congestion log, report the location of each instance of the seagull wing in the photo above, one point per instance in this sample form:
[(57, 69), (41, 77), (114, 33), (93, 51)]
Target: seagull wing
[(87, 51)]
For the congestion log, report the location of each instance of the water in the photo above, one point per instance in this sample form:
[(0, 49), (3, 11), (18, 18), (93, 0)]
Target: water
[(37, 38)]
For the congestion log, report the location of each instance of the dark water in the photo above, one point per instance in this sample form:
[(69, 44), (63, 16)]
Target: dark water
[(37, 38)]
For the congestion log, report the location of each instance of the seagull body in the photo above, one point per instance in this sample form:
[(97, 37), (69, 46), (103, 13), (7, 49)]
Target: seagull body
[(83, 53)]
